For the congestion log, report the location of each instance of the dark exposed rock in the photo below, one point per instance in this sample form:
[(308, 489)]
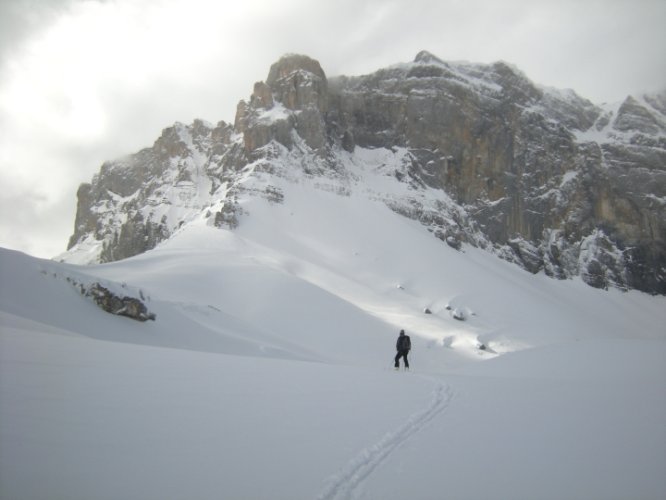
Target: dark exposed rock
[(227, 216), (459, 314), (121, 306), (262, 97), (85, 222), (453, 242), (633, 116)]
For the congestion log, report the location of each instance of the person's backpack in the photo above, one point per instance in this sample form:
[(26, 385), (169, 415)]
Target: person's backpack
[(405, 343)]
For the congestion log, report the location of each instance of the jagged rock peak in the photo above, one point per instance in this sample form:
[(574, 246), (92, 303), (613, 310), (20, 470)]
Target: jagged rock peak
[(290, 63), (634, 115), (298, 82), (426, 57), (294, 98), (657, 100)]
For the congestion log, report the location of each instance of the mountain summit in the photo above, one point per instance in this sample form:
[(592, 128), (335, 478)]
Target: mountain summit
[(477, 153)]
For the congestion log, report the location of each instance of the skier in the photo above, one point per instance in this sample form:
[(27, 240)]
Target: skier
[(403, 345)]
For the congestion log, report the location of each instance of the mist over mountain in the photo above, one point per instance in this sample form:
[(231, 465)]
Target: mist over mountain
[(477, 153)]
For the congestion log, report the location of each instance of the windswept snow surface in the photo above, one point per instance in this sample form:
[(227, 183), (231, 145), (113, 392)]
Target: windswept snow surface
[(268, 371)]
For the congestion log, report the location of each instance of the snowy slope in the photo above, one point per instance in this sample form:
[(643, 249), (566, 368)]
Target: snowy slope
[(267, 373)]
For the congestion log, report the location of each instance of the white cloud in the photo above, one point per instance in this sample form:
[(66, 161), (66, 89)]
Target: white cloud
[(86, 81)]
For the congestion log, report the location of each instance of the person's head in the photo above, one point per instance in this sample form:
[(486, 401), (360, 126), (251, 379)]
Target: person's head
[(402, 333)]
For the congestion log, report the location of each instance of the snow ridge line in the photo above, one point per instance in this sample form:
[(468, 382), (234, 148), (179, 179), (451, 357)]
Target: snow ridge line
[(344, 485)]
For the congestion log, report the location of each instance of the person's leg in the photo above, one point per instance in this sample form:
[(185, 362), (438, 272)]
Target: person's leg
[(397, 360), (406, 360)]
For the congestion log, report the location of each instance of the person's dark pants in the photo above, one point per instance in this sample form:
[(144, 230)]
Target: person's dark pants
[(402, 354)]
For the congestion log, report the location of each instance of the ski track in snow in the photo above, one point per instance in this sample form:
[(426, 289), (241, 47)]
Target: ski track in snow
[(345, 484)]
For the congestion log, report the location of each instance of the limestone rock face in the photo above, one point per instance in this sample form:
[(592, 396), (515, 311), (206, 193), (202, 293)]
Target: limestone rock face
[(298, 83), (294, 98), (533, 165), (135, 202), (539, 176), (633, 116)]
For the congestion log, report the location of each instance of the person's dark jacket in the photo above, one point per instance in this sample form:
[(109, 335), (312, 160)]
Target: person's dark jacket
[(404, 343)]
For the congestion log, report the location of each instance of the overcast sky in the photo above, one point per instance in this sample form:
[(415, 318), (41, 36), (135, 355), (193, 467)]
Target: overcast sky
[(84, 81)]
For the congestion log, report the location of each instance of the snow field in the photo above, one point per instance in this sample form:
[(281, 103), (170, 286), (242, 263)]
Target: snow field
[(268, 372), (87, 419)]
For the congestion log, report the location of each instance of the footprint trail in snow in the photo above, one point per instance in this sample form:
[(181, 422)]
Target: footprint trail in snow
[(346, 483)]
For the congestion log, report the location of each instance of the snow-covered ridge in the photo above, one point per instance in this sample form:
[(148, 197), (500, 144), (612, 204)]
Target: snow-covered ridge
[(632, 121), (477, 153)]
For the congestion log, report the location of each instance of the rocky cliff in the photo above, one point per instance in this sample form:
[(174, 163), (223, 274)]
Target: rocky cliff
[(483, 157)]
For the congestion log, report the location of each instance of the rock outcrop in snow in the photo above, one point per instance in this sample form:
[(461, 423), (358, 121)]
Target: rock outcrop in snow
[(130, 307), (477, 153)]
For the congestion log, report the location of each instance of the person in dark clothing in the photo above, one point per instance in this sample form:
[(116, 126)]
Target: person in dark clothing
[(403, 345)]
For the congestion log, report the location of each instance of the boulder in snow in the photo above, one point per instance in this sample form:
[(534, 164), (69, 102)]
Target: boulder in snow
[(122, 306)]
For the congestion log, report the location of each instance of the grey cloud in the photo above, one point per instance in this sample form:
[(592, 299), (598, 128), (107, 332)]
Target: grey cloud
[(602, 49), (28, 221), (21, 18)]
